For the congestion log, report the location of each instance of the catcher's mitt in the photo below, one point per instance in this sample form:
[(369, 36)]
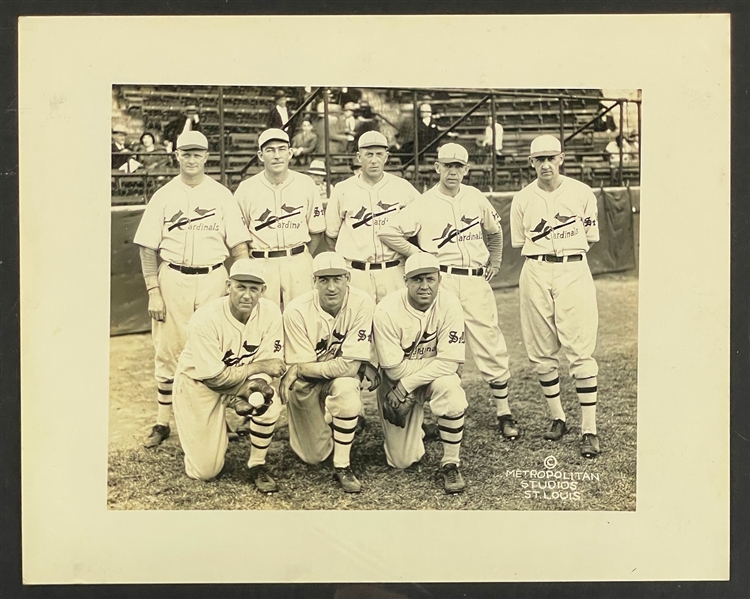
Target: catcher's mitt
[(240, 402), (397, 405)]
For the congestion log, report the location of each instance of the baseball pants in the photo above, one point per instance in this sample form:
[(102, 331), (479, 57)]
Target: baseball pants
[(287, 277), (404, 446), (311, 438), (378, 283), (558, 309), (483, 335), (182, 295), (199, 414)]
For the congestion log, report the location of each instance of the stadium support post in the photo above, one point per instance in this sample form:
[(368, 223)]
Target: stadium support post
[(328, 142), (562, 123), (222, 151), (494, 141), (416, 139), (622, 140)]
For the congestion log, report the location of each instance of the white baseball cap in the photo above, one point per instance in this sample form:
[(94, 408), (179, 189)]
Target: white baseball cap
[(192, 140), (328, 264), (418, 264), (317, 167), (453, 153), (545, 145), (272, 135), (247, 270), (371, 139)]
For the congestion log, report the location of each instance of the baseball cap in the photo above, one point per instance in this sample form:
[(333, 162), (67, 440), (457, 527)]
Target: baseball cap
[(317, 167), (329, 263), (453, 153), (272, 135), (192, 140), (370, 139), (420, 263), (280, 94), (247, 270), (545, 145)]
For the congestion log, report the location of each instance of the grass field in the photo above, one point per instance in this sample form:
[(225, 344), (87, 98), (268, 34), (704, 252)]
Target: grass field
[(500, 475)]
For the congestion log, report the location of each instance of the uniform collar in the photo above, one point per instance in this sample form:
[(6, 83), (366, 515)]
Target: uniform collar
[(282, 185), (239, 325), (369, 187), (322, 312)]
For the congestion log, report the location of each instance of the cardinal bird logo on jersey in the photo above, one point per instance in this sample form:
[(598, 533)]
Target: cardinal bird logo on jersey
[(175, 217), (269, 219), (203, 212), (450, 233), (325, 351), (364, 217), (563, 218), (179, 220), (386, 206), (425, 343), (230, 359), (540, 227), (289, 209)]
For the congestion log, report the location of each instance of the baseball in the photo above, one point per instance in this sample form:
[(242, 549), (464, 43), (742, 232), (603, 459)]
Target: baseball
[(256, 399)]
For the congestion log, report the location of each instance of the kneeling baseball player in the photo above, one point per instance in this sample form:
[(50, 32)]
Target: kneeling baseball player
[(328, 334), (420, 341), (234, 349)]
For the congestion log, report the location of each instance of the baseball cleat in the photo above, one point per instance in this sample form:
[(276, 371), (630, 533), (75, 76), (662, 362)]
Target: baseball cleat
[(431, 431), (159, 432), (590, 445), (453, 482), (262, 480), (361, 424), (556, 431), (348, 481), (508, 427)]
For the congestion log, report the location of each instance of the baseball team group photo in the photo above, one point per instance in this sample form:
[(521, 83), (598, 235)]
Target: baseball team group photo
[(373, 298)]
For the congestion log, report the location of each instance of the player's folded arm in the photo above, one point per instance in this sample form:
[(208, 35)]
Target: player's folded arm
[(231, 380), (331, 369)]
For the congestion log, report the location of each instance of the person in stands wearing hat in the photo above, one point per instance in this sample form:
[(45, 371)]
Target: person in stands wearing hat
[(234, 349), (190, 121), (451, 221), (192, 224), (120, 151), (278, 116), (304, 143), (419, 337), (554, 222), (284, 214), (328, 334), (318, 173)]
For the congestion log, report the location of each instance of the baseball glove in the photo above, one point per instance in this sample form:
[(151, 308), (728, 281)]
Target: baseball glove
[(397, 405), (240, 401)]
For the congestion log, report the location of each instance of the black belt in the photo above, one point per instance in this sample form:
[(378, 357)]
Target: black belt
[(374, 265), (456, 270), (551, 258), (277, 253), (194, 270)]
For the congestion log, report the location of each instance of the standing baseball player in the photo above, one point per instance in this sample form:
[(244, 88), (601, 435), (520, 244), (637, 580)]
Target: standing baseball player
[(284, 214), (358, 208), (420, 341), (234, 349), (328, 334), (448, 222), (191, 223), (553, 220)]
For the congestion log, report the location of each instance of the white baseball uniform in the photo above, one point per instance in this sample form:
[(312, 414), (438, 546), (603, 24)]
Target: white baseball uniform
[(558, 299), (192, 230), (451, 229), (355, 214), (217, 340), (423, 351), (313, 335), (280, 219)]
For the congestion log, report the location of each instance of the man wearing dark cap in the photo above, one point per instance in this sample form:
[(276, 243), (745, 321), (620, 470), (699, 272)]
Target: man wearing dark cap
[(278, 116), (284, 214), (234, 349), (192, 224), (120, 152)]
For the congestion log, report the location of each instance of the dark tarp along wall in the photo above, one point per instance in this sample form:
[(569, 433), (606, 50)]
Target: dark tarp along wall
[(615, 251)]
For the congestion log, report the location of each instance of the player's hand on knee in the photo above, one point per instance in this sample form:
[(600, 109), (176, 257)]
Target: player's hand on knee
[(285, 386), (369, 377), (273, 367), (156, 308)]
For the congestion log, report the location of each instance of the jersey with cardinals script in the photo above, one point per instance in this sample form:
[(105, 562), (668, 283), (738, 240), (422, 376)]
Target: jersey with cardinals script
[(217, 340), (192, 226), (280, 216), (449, 227)]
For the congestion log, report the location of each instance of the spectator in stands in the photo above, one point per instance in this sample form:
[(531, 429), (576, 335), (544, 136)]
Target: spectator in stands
[(427, 131), (304, 143), (146, 151), (350, 125), (278, 116), (486, 141), (629, 151), (120, 151), (318, 173), (190, 121), (336, 132)]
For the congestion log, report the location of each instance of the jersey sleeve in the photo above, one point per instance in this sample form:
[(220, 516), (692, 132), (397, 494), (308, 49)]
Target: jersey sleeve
[(242, 199), (149, 232), (204, 350), (298, 349), (490, 217), (406, 223), (387, 342), (272, 342), (590, 217), (411, 193), (357, 345), (451, 341), (316, 222), (334, 218), (517, 233), (235, 231)]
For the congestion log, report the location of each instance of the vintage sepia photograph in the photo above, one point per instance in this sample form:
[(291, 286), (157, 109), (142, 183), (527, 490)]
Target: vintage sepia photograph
[(360, 298)]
